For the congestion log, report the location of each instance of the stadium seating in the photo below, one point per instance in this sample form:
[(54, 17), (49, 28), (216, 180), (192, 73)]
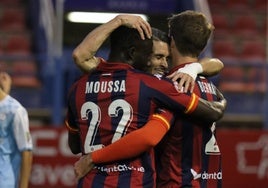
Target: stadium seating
[(244, 77), (253, 51), (225, 50), (18, 45), (241, 6), (222, 25), (245, 26), (24, 74), (260, 6), (16, 55), (13, 19)]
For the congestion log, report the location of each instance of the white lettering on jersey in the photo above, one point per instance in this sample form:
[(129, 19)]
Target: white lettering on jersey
[(106, 86), (207, 87), (205, 175)]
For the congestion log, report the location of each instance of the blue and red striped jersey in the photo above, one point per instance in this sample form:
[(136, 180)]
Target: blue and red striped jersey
[(115, 100), (188, 155)]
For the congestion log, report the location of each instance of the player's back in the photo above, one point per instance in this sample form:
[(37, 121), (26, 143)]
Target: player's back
[(208, 167), (111, 102), (185, 154)]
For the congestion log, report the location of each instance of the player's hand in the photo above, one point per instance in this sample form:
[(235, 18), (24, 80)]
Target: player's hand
[(185, 81), (5, 82), (221, 98), (137, 22), (83, 166), (187, 76)]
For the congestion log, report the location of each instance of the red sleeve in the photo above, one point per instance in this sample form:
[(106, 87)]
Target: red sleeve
[(137, 141), (193, 104)]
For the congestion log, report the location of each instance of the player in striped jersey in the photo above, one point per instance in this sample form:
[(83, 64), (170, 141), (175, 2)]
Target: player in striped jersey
[(189, 155), (207, 133), (15, 139), (110, 81)]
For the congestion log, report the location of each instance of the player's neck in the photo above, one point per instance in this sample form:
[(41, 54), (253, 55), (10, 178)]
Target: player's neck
[(179, 60), (2, 94)]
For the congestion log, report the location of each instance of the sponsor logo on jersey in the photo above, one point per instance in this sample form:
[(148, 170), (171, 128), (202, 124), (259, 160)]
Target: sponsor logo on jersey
[(205, 175), (120, 168)]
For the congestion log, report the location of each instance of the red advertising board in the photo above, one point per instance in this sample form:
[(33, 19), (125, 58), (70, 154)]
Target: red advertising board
[(52, 161), (245, 158)]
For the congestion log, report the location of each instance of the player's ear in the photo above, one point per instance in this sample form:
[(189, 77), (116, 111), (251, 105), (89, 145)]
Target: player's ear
[(172, 42), (131, 52)]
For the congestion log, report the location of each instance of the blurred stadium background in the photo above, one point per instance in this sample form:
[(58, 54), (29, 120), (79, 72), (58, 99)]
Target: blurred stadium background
[(36, 42)]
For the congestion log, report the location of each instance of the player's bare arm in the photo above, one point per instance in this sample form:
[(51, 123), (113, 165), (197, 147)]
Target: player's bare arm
[(210, 111), (84, 53), (25, 171), (211, 66)]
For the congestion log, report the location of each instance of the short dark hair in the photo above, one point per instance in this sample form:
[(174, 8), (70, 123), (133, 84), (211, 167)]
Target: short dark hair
[(190, 31), (124, 41), (159, 35)]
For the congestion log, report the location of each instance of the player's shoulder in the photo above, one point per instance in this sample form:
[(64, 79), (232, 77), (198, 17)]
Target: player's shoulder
[(81, 79), (12, 101), (12, 104), (17, 104)]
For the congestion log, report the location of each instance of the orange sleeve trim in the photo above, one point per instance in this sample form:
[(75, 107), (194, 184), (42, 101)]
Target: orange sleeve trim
[(162, 119), (72, 130), (193, 104)]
